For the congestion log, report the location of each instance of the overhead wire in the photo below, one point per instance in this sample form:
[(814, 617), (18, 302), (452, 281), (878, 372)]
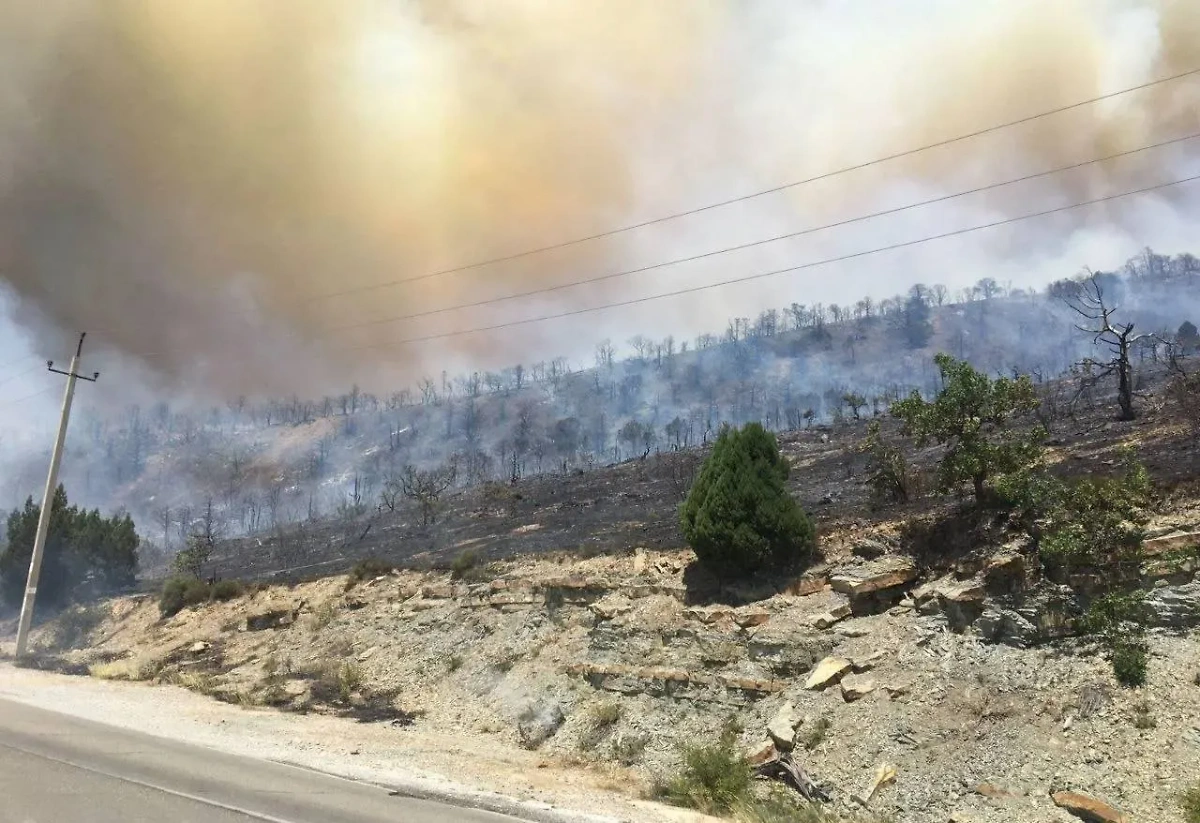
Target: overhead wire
[(756, 194), (46, 390), (776, 272), (756, 243), (19, 375)]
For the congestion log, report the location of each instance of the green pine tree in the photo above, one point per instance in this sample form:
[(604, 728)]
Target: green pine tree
[(85, 553), (739, 516)]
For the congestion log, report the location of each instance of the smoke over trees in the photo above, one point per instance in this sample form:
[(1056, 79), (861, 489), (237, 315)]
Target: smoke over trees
[(258, 467)]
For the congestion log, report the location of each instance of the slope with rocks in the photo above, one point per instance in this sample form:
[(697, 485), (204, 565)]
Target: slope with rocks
[(607, 665)]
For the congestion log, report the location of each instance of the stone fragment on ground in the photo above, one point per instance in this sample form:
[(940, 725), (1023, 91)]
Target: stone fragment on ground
[(782, 727), (855, 687), (1088, 808), (828, 671), (827, 619)]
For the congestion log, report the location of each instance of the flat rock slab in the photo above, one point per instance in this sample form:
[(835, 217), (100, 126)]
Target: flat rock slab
[(875, 576), (828, 671), (1088, 808)]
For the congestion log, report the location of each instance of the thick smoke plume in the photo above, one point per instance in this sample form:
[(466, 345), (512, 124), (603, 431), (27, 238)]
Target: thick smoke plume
[(188, 180)]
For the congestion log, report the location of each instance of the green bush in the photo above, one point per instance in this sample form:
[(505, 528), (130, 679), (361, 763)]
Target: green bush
[(714, 779), (739, 516), (368, 569), (1189, 802), (350, 678), (227, 589), (888, 473), (1118, 620), (181, 591), (464, 563), (816, 734), (973, 417), (627, 749), (1129, 658), (190, 560)]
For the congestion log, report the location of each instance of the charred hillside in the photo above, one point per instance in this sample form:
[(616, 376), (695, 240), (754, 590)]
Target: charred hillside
[(256, 469)]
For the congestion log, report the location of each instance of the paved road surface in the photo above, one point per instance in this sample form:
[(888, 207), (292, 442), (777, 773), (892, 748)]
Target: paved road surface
[(59, 769)]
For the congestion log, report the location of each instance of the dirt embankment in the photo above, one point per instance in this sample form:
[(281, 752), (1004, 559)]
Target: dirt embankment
[(581, 678)]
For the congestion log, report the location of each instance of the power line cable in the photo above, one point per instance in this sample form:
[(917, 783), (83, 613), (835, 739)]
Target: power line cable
[(46, 390), (776, 272), (753, 195), (763, 242), (19, 375), (16, 361)]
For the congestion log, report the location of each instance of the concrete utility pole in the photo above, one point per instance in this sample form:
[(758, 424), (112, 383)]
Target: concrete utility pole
[(39, 542)]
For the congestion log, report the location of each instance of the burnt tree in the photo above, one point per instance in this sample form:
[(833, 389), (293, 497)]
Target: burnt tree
[(1087, 300)]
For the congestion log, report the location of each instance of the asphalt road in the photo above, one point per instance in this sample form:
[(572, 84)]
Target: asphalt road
[(60, 769)]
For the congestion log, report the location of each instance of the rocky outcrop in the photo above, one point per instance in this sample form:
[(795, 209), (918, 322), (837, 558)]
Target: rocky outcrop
[(1174, 542), (961, 600), (874, 585), (1176, 607), (1008, 626), (679, 684)]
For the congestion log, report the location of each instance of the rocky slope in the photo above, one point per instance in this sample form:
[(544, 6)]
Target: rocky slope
[(955, 682)]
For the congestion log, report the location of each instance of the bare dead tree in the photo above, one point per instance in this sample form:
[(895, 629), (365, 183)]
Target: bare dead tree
[(1184, 386), (426, 487), (1088, 301)]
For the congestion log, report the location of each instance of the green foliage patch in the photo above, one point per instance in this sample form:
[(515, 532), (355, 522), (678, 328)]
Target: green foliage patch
[(713, 779), (86, 555), (738, 516), (973, 416)]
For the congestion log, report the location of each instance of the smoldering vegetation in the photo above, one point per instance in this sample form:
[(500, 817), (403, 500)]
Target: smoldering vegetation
[(255, 468)]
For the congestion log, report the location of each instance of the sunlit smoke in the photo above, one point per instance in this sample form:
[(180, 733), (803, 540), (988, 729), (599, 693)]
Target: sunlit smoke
[(191, 181)]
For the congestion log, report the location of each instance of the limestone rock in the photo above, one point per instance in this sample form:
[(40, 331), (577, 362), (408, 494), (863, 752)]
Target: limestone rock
[(1173, 542), (610, 608), (875, 576), (869, 549), (1005, 571), (764, 752), (992, 790), (751, 617), (1005, 626), (810, 583), (708, 616), (827, 619), (828, 671), (1088, 808), (782, 727), (199, 647), (1174, 606), (868, 662), (295, 688), (639, 560), (855, 688)]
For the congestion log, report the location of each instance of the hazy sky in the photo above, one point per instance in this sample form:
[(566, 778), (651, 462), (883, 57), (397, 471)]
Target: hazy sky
[(190, 180)]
